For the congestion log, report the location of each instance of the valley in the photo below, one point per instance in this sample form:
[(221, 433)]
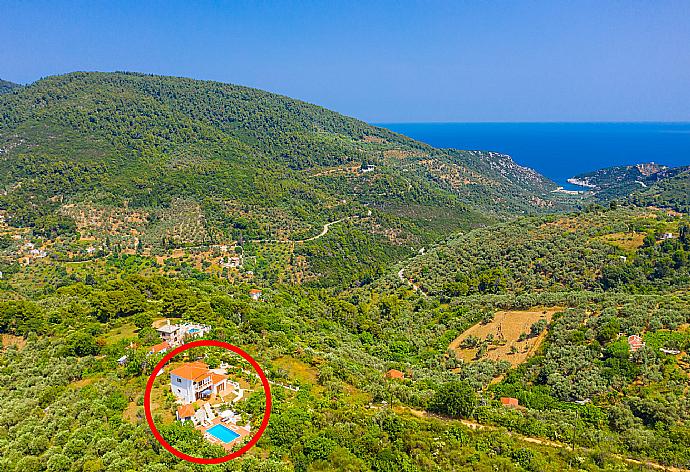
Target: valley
[(413, 308)]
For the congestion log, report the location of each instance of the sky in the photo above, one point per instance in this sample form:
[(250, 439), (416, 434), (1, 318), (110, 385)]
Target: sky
[(382, 61)]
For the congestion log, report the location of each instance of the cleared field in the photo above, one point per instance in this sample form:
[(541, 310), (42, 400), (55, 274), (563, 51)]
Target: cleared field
[(502, 335), (297, 369), (625, 241), (157, 323)]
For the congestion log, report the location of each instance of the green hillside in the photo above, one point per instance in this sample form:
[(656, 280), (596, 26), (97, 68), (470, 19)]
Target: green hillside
[(6, 86), (69, 405), (152, 163), (127, 200), (594, 250), (621, 181), (673, 193)]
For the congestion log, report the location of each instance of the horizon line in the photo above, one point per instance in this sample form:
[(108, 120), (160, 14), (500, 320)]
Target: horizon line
[(491, 122)]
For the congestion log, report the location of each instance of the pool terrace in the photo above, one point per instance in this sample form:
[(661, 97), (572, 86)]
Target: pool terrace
[(223, 433)]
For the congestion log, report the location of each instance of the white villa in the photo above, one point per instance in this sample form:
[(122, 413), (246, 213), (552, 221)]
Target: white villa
[(231, 262), (175, 334), (194, 381)]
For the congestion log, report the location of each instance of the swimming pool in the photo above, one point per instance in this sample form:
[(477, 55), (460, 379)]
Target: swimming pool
[(223, 433), (194, 330)]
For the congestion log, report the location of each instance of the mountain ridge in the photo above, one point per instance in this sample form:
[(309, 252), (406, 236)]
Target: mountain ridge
[(93, 151), (6, 86), (621, 181)]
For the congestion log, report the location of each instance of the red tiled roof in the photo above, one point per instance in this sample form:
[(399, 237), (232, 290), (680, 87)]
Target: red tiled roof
[(185, 411), (254, 291), (217, 378), (191, 371), (509, 401), (160, 347)]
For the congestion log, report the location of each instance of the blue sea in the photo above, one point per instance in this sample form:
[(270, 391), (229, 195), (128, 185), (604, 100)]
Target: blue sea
[(562, 150)]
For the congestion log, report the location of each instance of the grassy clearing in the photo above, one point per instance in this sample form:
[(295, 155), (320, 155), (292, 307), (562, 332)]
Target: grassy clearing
[(297, 369), (10, 340), (625, 241), (116, 335)]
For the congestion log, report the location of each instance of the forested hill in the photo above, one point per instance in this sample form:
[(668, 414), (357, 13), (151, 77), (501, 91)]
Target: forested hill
[(621, 181), (186, 162), (6, 86), (671, 193), (623, 248)]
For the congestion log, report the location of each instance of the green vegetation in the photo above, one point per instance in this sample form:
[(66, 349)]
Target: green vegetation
[(124, 193), (673, 193), (621, 181), (560, 253), (6, 86), (180, 163)]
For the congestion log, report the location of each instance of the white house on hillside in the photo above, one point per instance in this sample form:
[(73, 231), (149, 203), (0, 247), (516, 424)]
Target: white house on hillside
[(170, 333), (193, 381)]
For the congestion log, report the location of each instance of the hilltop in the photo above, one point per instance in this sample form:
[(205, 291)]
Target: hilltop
[(621, 181), (149, 164), (6, 86)]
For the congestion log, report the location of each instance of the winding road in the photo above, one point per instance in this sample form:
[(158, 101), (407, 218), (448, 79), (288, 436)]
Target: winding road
[(323, 233)]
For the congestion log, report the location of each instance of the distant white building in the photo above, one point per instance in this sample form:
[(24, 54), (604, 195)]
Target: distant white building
[(231, 261), (666, 236), (170, 333), (635, 342), (161, 348), (176, 334)]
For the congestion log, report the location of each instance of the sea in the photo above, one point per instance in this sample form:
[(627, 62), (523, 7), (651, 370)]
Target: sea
[(562, 150)]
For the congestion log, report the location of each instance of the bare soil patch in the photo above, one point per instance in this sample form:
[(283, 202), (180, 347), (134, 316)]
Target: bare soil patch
[(12, 340), (503, 333)]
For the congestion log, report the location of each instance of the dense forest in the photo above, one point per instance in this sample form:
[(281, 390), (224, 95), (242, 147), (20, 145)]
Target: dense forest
[(117, 153), (6, 86), (130, 199)]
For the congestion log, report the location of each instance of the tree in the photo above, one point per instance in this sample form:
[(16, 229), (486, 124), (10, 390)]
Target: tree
[(538, 327), (83, 344), (454, 398), (684, 232), (142, 320)]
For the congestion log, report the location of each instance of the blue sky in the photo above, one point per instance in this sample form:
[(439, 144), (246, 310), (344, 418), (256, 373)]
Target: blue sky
[(383, 60)]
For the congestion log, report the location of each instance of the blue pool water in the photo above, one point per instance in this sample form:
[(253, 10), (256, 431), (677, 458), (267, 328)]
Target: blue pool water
[(194, 330), (223, 433), (562, 150)]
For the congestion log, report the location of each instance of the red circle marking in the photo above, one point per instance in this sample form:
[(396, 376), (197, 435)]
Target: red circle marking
[(232, 455)]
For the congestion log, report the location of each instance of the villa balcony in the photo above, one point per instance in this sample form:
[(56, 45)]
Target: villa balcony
[(203, 385)]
